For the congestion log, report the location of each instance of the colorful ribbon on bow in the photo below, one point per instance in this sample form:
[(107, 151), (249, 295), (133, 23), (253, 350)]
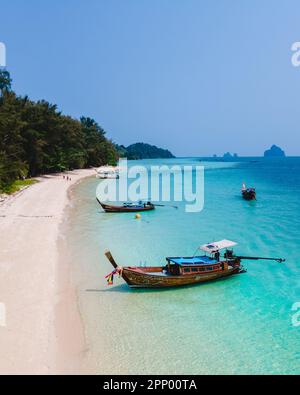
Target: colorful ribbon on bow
[(110, 276)]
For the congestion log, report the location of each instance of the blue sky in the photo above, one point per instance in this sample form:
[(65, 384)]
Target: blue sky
[(196, 76)]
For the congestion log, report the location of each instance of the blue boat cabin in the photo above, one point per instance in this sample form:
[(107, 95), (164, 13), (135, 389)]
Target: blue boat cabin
[(194, 265)]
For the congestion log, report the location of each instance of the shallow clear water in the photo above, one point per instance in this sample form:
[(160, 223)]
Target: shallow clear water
[(239, 325)]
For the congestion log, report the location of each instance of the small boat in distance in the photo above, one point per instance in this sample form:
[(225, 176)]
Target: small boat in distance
[(184, 270), (248, 193), (108, 172), (127, 207)]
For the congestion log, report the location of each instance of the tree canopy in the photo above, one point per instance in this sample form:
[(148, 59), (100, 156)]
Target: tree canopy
[(36, 138), (143, 151)]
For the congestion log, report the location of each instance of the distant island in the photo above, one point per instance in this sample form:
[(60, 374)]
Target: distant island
[(143, 151), (228, 155), (274, 151)]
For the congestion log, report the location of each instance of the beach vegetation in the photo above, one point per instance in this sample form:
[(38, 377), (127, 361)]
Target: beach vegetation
[(18, 185)]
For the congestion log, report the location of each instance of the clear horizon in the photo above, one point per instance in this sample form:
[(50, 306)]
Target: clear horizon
[(197, 77)]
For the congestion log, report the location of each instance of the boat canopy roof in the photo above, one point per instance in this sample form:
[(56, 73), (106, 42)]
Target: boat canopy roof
[(217, 245), (194, 260)]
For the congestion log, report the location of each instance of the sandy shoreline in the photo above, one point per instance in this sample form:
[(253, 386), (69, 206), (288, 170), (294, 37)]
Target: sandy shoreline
[(41, 330)]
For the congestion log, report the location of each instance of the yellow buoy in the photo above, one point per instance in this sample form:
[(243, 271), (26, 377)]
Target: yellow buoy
[(137, 216)]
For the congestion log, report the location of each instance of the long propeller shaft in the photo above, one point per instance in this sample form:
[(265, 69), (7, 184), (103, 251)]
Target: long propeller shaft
[(280, 260)]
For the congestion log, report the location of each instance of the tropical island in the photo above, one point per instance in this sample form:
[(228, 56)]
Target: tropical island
[(228, 155), (274, 151), (143, 151)]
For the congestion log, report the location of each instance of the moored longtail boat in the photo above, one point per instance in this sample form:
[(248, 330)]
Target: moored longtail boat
[(248, 193), (107, 172), (185, 270), (126, 207)]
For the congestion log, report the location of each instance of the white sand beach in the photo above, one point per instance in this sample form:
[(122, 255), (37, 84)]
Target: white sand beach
[(41, 330)]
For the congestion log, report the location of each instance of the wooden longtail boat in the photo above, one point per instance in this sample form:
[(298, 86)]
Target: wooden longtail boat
[(127, 207), (184, 270), (248, 193)]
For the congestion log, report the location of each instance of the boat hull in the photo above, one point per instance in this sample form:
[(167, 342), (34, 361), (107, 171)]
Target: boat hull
[(136, 279), (102, 177), (249, 195)]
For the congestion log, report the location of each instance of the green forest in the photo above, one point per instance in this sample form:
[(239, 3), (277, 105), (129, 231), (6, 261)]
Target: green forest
[(36, 138), (143, 151)]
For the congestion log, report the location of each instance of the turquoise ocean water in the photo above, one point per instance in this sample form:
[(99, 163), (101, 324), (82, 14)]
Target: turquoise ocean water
[(239, 325)]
